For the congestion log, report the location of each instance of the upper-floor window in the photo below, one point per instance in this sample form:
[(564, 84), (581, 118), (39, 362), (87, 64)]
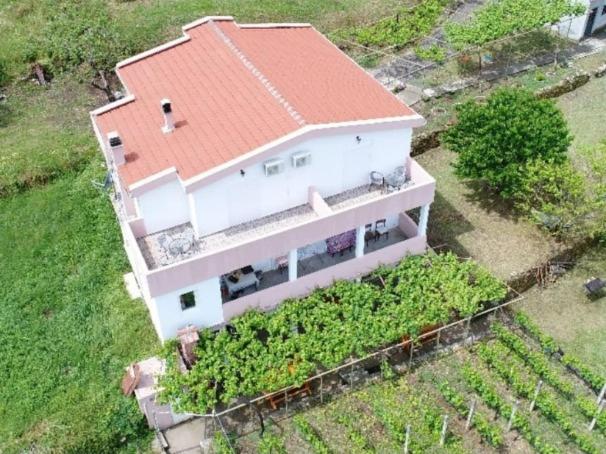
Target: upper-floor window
[(301, 159), (273, 167), (188, 300)]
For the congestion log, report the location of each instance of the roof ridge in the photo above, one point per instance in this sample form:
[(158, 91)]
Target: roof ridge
[(271, 89)]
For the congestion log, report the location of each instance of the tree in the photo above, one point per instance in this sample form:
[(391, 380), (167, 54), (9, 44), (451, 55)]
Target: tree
[(495, 140)]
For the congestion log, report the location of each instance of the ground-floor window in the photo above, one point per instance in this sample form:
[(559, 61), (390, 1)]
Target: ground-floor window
[(188, 300)]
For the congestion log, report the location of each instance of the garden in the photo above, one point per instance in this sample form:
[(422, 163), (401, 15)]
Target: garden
[(515, 391)]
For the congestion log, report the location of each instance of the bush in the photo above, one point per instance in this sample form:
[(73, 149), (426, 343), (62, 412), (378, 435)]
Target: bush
[(553, 195), (3, 73), (495, 140)]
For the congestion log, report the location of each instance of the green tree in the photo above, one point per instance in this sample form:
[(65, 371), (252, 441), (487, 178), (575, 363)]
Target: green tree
[(495, 140)]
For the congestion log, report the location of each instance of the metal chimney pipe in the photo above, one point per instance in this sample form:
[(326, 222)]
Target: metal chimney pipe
[(167, 110)]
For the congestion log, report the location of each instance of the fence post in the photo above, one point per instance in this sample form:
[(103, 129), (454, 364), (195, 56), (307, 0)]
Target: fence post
[(286, 401), (467, 329), (536, 394), (444, 428), (412, 347), (407, 439), (514, 408), (601, 395), (595, 418), (472, 409), (321, 389), (438, 338)]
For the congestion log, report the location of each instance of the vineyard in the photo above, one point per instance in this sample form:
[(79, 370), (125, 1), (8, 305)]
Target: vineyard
[(515, 391)]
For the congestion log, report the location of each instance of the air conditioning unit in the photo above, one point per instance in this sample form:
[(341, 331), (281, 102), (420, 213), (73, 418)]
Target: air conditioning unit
[(301, 159), (273, 167)]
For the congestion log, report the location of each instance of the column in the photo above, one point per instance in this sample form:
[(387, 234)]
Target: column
[(423, 217), (360, 231), (292, 265)]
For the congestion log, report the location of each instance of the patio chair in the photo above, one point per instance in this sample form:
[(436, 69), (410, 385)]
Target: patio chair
[(369, 234), (381, 229), (376, 180)]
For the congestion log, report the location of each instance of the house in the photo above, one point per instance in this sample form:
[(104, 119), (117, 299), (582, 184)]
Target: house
[(253, 163), (583, 26)]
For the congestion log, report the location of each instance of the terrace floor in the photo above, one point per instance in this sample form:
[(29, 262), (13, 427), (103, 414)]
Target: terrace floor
[(319, 262), (179, 243)]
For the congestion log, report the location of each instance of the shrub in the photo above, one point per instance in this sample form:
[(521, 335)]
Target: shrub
[(3, 73), (433, 53), (553, 195), (497, 19), (495, 140)]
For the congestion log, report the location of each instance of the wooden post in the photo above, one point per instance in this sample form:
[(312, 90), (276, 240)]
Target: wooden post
[(321, 389), (467, 328), (472, 409), (536, 394), (514, 408), (438, 338), (595, 418), (444, 428), (286, 400), (407, 439), (412, 346), (601, 395)]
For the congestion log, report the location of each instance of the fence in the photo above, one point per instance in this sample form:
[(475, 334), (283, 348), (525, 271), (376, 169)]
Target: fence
[(248, 416)]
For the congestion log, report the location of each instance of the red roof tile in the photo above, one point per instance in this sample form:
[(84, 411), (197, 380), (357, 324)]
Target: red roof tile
[(233, 89)]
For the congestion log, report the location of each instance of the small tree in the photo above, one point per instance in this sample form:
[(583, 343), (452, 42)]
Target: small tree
[(495, 140)]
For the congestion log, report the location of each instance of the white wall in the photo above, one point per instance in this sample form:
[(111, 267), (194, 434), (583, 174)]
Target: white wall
[(575, 29), (337, 163), (168, 317), (600, 19), (163, 207)]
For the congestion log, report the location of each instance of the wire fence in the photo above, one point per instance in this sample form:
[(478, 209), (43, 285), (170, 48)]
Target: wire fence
[(248, 416)]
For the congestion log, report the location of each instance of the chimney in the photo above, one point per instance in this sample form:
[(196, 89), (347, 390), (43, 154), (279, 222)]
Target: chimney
[(116, 148), (167, 110)]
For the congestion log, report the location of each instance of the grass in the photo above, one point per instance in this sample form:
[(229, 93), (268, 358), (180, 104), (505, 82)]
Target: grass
[(44, 132), (473, 224), (566, 313), (67, 327)]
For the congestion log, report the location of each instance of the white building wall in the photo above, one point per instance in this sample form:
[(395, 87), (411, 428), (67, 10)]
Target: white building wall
[(168, 317), (575, 28), (600, 19), (338, 163), (163, 207)]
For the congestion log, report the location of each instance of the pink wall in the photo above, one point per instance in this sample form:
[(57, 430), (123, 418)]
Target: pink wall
[(269, 298), (199, 268)]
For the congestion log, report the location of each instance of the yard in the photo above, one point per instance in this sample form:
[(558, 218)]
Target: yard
[(495, 374)]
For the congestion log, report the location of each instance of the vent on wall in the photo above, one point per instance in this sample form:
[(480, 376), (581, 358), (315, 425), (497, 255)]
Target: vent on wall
[(301, 159), (273, 167)]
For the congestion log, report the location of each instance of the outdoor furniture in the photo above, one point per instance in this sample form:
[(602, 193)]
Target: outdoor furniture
[(236, 283), (282, 263), (381, 229), (376, 180), (594, 286), (396, 179), (339, 243), (369, 234)]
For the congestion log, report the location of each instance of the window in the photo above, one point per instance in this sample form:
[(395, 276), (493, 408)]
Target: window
[(301, 159), (603, 10), (188, 300), (273, 167)]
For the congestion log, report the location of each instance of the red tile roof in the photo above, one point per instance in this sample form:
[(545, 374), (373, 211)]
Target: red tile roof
[(233, 89)]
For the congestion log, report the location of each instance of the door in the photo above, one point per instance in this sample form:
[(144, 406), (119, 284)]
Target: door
[(590, 22)]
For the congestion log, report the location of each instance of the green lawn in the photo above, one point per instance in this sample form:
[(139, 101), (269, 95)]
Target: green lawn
[(566, 313), (67, 326), (473, 224)]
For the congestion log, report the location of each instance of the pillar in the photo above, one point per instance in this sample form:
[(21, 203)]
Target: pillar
[(423, 218), (292, 265), (360, 231)]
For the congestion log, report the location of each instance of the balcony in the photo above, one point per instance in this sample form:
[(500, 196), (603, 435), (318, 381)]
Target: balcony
[(176, 259)]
